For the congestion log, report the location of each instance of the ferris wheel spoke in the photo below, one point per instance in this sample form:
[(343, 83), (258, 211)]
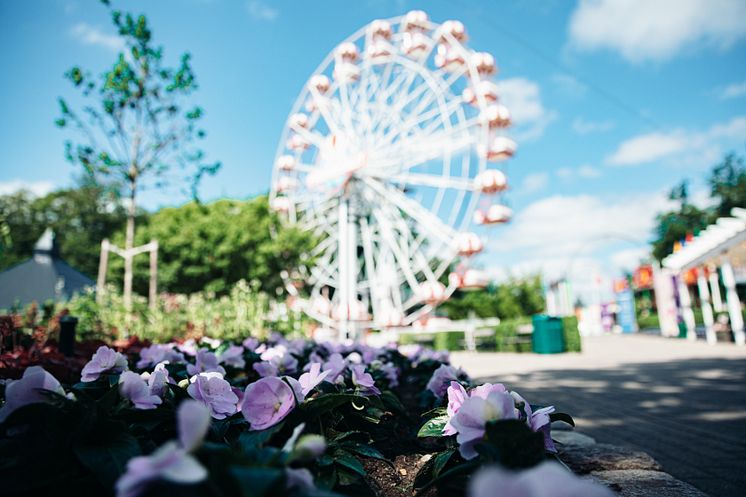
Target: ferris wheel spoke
[(322, 105), (370, 266), (415, 256), (313, 137), (432, 180), (391, 241), (410, 154), (413, 124), (426, 219)]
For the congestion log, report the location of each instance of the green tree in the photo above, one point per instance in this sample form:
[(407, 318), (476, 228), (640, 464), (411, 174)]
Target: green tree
[(135, 127), (511, 299), (728, 184), (212, 246), (674, 225), (80, 217)]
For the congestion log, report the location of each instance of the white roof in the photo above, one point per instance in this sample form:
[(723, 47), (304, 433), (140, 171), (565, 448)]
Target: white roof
[(725, 233)]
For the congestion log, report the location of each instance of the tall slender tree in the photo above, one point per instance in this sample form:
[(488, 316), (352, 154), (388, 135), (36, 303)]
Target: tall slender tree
[(135, 127)]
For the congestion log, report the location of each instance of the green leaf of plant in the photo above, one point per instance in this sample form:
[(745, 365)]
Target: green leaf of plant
[(250, 440), (348, 461), (363, 450), (107, 459), (259, 482), (433, 427), (325, 403), (440, 461), (561, 416)]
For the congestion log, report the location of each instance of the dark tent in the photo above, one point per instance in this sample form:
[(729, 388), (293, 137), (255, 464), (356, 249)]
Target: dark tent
[(43, 277)]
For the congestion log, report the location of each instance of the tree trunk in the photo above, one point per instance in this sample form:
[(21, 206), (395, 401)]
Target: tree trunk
[(128, 244)]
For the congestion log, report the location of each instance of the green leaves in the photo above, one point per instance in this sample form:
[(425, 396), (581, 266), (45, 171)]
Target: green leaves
[(107, 457), (325, 403), (433, 427), (259, 482), (513, 444), (561, 416)]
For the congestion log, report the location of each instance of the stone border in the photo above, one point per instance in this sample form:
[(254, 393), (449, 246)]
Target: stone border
[(628, 472)]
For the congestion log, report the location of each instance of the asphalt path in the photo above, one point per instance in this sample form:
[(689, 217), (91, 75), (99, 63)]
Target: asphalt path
[(682, 402)]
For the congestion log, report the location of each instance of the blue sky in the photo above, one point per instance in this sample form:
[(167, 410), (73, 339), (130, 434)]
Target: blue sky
[(615, 101)]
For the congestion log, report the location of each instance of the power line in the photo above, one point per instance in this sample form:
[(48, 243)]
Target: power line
[(551, 61)]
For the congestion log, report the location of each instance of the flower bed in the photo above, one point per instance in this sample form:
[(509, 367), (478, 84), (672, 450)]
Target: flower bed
[(281, 417)]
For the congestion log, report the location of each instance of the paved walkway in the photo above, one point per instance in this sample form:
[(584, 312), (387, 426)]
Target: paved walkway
[(682, 402)]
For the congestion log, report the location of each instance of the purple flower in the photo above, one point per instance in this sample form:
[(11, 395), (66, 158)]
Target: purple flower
[(281, 358), (150, 356), (391, 372), (364, 381), (158, 380), (216, 393), (370, 354), (308, 381), (233, 356), (266, 402), (300, 479), (471, 419), (441, 378), (189, 347), (105, 360), (456, 397), (250, 343), (135, 389), (537, 420), (484, 390), (206, 362), (29, 390), (266, 368), (172, 460), (309, 447), (548, 479), (336, 366)]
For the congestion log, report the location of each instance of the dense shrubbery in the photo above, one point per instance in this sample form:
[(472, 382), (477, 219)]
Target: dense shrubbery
[(265, 418), (227, 317)]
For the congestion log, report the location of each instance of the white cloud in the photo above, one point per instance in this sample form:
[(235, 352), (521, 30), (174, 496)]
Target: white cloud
[(89, 35), (734, 90), (577, 236), (534, 182), (568, 85), (648, 148), (629, 259), (38, 188), (687, 147), (261, 11), (656, 29), (560, 224), (523, 97), (583, 127), (585, 171)]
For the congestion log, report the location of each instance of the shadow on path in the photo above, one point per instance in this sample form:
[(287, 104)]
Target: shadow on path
[(688, 414)]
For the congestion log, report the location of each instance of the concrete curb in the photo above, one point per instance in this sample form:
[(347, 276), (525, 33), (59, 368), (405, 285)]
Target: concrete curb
[(628, 472)]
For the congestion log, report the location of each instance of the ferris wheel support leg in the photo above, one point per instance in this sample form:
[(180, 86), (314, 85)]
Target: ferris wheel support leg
[(343, 261), (352, 301)]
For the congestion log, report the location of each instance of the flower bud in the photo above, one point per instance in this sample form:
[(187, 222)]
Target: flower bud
[(309, 447)]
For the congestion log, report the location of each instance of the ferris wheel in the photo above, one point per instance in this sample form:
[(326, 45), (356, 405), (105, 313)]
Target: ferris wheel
[(387, 157)]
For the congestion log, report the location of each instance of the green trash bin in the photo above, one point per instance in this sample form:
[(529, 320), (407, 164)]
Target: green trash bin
[(548, 336)]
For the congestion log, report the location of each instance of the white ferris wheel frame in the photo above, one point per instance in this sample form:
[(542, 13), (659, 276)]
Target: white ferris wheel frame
[(357, 252)]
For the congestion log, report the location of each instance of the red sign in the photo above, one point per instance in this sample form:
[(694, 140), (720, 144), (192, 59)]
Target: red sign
[(643, 277)]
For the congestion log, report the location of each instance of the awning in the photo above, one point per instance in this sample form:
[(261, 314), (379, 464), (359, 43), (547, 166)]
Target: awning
[(726, 235)]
